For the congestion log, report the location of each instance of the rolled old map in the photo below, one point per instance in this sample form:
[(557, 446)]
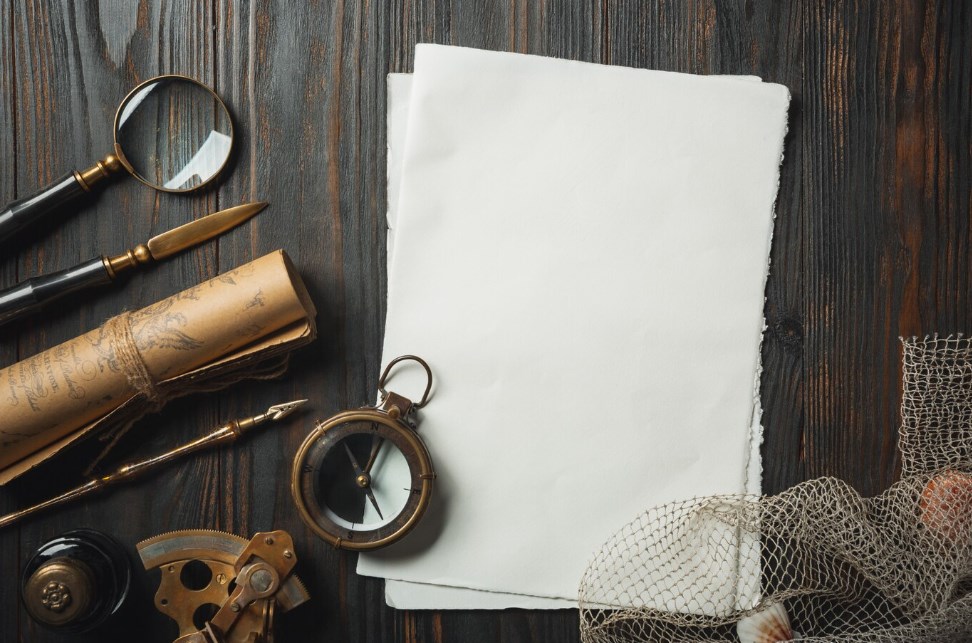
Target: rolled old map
[(138, 360)]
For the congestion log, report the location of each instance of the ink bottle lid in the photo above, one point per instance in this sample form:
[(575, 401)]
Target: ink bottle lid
[(76, 581)]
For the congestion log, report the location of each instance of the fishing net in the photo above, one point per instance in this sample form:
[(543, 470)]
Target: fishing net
[(817, 562)]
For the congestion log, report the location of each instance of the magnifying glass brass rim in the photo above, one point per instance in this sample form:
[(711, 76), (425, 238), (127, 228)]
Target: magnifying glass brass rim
[(120, 152), (30, 210)]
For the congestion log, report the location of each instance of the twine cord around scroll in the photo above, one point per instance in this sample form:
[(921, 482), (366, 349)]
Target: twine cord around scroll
[(268, 368), (123, 346), (153, 395)]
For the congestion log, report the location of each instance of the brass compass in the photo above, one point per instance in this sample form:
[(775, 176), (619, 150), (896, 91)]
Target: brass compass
[(362, 479)]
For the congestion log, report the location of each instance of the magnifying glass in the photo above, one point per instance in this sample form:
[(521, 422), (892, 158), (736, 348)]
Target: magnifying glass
[(172, 133)]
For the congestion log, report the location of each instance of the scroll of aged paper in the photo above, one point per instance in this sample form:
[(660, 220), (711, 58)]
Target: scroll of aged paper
[(236, 325)]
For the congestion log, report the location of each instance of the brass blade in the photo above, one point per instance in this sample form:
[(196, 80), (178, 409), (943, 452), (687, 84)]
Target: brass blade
[(195, 232)]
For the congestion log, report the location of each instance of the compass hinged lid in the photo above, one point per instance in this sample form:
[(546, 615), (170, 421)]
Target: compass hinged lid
[(397, 406)]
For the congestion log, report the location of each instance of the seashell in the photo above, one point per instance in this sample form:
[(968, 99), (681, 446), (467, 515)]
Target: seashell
[(770, 625), (946, 505)]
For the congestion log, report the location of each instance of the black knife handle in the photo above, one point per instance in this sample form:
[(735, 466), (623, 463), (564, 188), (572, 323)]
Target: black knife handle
[(28, 296), (37, 207)]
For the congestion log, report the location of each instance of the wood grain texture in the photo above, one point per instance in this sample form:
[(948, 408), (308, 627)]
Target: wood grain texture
[(885, 123), (10, 614), (69, 83), (871, 239)]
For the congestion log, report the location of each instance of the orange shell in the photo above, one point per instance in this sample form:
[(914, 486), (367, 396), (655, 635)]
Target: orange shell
[(946, 505)]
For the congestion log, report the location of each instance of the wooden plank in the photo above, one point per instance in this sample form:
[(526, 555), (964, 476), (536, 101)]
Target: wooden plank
[(871, 239), (307, 91), (9, 538), (887, 227), (73, 63)]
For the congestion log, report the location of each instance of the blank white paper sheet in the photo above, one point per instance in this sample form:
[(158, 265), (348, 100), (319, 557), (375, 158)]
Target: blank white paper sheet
[(580, 254)]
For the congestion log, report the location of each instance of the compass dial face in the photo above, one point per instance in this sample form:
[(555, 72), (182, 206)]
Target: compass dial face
[(362, 480)]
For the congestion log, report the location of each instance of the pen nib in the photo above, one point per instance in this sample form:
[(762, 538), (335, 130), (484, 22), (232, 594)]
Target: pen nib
[(280, 411)]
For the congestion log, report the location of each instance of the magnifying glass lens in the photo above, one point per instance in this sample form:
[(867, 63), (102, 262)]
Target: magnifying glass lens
[(173, 133)]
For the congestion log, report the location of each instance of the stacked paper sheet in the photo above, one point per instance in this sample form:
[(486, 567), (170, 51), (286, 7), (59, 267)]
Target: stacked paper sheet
[(579, 252)]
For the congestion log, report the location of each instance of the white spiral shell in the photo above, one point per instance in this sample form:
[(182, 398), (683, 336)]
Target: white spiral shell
[(770, 625)]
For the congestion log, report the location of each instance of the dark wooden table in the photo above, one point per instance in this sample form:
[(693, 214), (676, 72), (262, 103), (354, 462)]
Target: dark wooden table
[(872, 236)]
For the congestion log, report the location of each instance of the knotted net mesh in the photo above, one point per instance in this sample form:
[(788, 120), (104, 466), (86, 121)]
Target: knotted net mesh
[(817, 562)]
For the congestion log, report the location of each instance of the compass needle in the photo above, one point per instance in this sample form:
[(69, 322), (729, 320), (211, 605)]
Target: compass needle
[(376, 443), (354, 460), (363, 480), (374, 502)]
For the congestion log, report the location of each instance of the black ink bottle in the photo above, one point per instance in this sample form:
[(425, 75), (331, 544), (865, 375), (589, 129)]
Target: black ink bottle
[(76, 581)]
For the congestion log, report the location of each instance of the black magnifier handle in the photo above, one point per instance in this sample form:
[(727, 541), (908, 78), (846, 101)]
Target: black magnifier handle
[(30, 295), (38, 207)]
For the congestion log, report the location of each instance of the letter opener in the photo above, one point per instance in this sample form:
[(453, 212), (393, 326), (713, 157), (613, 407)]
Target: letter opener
[(30, 295)]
